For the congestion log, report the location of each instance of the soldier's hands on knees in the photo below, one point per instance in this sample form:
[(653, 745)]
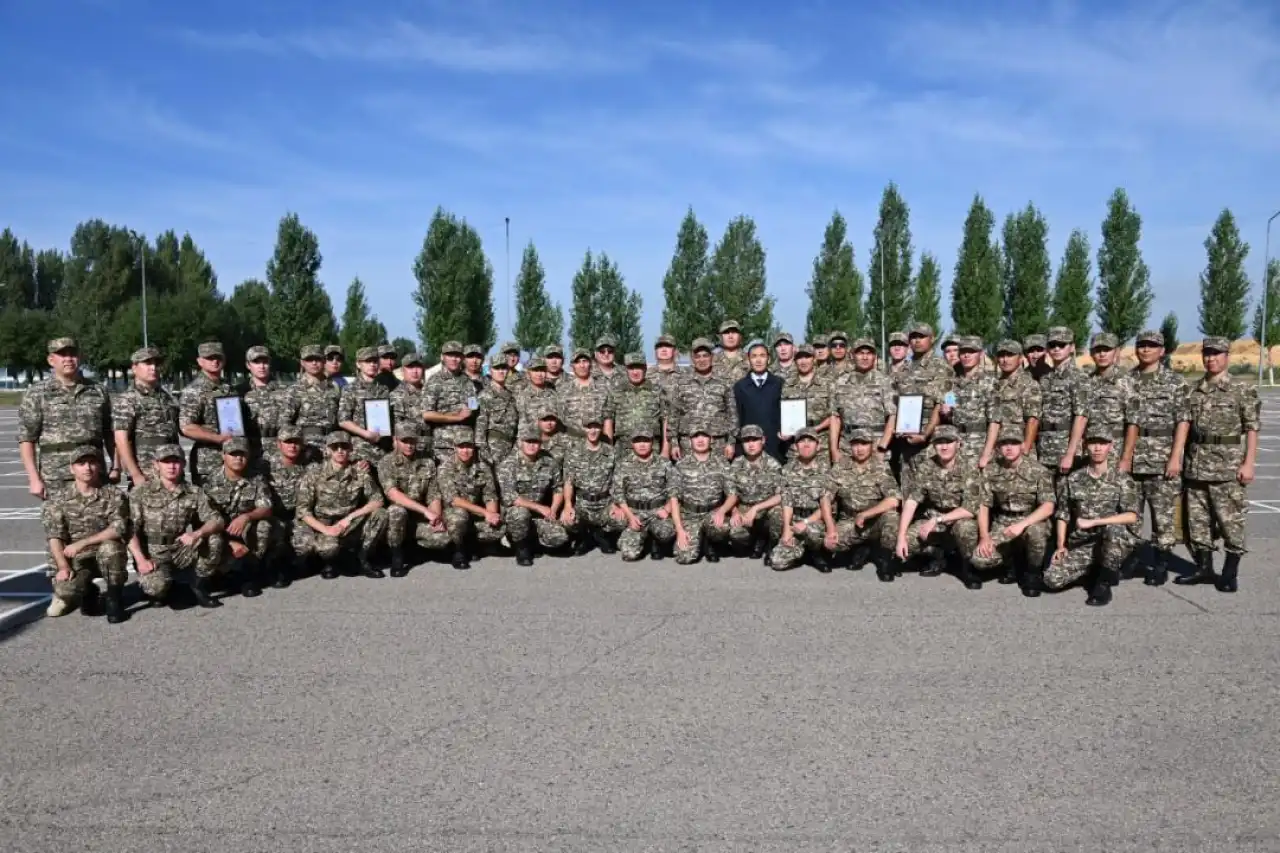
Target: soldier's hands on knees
[(634, 524), (567, 516), (682, 538), (1059, 554), (926, 529), (831, 540), (860, 520), (986, 547), (493, 519), (144, 566), (901, 549), (238, 550), (63, 575)]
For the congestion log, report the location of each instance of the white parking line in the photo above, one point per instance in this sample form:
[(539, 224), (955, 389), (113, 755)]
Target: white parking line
[(1268, 507)]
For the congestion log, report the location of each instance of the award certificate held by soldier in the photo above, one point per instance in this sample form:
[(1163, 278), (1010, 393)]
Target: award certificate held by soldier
[(230, 416), (795, 414), (377, 416), (910, 412)]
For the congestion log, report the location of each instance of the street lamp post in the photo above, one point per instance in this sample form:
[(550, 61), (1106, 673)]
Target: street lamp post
[(1266, 291), (145, 342), (511, 329)]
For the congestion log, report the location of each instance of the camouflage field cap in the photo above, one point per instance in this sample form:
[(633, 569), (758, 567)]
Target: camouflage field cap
[(636, 359), (464, 437), (944, 434), (804, 350), (1095, 433), (730, 326), (702, 344), (536, 363), (970, 343), (146, 354), (236, 445), (642, 433), (580, 353), (334, 349), (951, 339), (414, 359), (751, 431), (255, 353), (509, 347), (1150, 336), (665, 341), (862, 435), (337, 438), (497, 361), (593, 420), (451, 348), (367, 354), (473, 351), (1010, 434), (387, 351), (920, 330), (530, 432), (1104, 340), (819, 341), (60, 344), (169, 451), (311, 351), (700, 428), (1035, 342), (837, 335), (86, 451), (553, 350), (783, 338), (1008, 347), (806, 434), (606, 341), (1215, 343), (864, 343), (898, 338), (1060, 335), (547, 412), (210, 349), (289, 432), (408, 431)]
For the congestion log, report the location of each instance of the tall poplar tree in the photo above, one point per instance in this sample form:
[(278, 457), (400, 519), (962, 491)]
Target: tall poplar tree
[(927, 292), (539, 321), (689, 309), (889, 301), (977, 298), (1224, 284), (1026, 273), (1073, 288), (835, 288), (1124, 282), (301, 312), (737, 279), (602, 304), (455, 286)]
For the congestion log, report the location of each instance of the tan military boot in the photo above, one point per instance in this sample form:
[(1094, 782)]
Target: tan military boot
[(57, 607)]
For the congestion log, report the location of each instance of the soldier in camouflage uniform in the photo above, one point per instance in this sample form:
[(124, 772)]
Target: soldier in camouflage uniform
[(583, 397), (537, 393), (1109, 387), (754, 494), (509, 355), (899, 350), (59, 415), (1064, 392), (407, 401), (808, 384), (473, 367), (784, 356), (702, 510), (449, 399), (804, 481), (644, 489), (731, 362), (1015, 506), (974, 414), (940, 509), (367, 445), (386, 375), (408, 479), (286, 466), (498, 419), (175, 528), (339, 507), (862, 398), (311, 403), (839, 361), (198, 412), (1097, 509), (469, 495), (1017, 395), (243, 497), (949, 346), (333, 365), (604, 367), (932, 378), (264, 400), (860, 507), (665, 371), (553, 359), (588, 468), (702, 396), (145, 416), (820, 351), (1222, 450), (638, 403), (531, 487), (86, 526), (1157, 419), (1034, 349), (554, 440)]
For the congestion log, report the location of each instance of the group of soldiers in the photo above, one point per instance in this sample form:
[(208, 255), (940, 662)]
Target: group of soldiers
[(1036, 473)]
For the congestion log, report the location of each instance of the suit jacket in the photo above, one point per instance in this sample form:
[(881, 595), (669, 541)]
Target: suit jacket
[(762, 407)]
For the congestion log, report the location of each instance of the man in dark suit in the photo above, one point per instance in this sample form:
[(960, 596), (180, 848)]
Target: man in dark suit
[(758, 396)]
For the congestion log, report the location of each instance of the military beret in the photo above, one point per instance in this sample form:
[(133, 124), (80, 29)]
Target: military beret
[(408, 430), (642, 433), (806, 433), (607, 341), (530, 432), (951, 339), (312, 351), (1008, 347), (254, 353), (1034, 342), (413, 359), (169, 451), (864, 343), (387, 351), (701, 343), (536, 363), (636, 359), (783, 338), (804, 350), (973, 343), (59, 344), (945, 433), (510, 347), (334, 349), (367, 354), (862, 435), (1010, 433), (451, 348), (235, 445), (1104, 340), (580, 353), (1215, 343), (730, 326), (473, 350), (923, 330), (837, 335), (751, 431), (289, 432), (210, 349), (1150, 336), (819, 341), (497, 361), (86, 451), (898, 338), (548, 411), (665, 341), (1061, 335), (552, 349), (464, 437), (337, 437), (146, 354), (1098, 432)]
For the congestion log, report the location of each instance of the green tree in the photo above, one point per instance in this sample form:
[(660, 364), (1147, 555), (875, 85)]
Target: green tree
[(1026, 273), (246, 324), (539, 321), (1272, 300), (977, 300), (17, 272), (689, 310), (1073, 288), (23, 335), (48, 278), (889, 300), (301, 312), (1124, 282), (100, 293), (455, 286), (1169, 328), (737, 280), (403, 346), (1224, 284), (359, 327), (184, 306), (602, 304), (835, 288), (927, 292)]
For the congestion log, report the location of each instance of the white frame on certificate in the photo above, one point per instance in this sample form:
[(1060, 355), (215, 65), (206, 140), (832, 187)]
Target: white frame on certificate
[(794, 416), (910, 415), (381, 407), (230, 412)]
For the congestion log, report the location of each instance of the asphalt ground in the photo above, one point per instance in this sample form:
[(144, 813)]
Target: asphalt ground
[(596, 705)]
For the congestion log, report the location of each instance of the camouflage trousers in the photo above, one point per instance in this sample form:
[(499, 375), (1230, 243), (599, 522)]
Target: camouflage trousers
[(1162, 495), (1107, 550), (594, 515), (523, 524), (204, 462), (459, 524), (1217, 511), (700, 526), (106, 558), (204, 559), (401, 521), (881, 531), (959, 536), (1033, 544), (910, 457), (786, 556), (259, 537), (364, 531), (631, 542), (768, 522)]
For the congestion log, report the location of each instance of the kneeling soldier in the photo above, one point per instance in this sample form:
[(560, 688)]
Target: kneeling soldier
[(588, 483), (86, 525), (469, 495), (1016, 499), (531, 489), (864, 517), (409, 482), (701, 517), (944, 485), (244, 500), (175, 527), (804, 481), (1094, 513), (755, 491), (644, 487), (286, 467), (339, 507)]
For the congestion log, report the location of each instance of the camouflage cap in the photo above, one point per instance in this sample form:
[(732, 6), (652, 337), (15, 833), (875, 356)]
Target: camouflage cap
[(235, 445), (387, 351), (642, 433), (1010, 433), (553, 349), (665, 341), (254, 353), (1150, 336), (783, 338), (804, 350), (86, 451), (595, 419), (951, 339), (700, 428), (864, 343), (408, 431), (702, 343), (473, 350), (972, 343), (289, 432), (59, 344), (464, 437), (757, 343), (530, 432), (334, 349), (1098, 433), (898, 338), (636, 359), (210, 349), (146, 354), (837, 335), (548, 411), (819, 341), (536, 363), (451, 348), (1034, 342), (498, 361), (580, 353), (169, 451), (730, 326), (1104, 340), (1008, 347), (367, 354), (413, 359), (862, 435), (1215, 343), (920, 330), (751, 431), (509, 347), (945, 433), (607, 341), (312, 351), (1060, 335), (806, 433), (336, 438)]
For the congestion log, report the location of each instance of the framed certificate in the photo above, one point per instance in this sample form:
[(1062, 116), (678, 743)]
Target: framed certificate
[(230, 415), (795, 416), (377, 417), (910, 411)]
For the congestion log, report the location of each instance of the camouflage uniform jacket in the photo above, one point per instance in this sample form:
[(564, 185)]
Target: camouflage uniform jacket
[(590, 472), (1017, 398), (1220, 409), (236, 497), (754, 481), (645, 484), (150, 417), (1015, 491), (815, 390), (783, 371), (497, 423), (328, 493), (1064, 396), (265, 408), (284, 480), (407, 405), (856, 486), (665, 379), (532, 400), (414, 476), (446, 394), (1108, 390), (69, 516), (159, 516), (975, 407), (803, 485), (702, 483), (312, 406), (579, 403), (351, 408), (862, 400), (929, 376), (636, 406), (731, 366), (196, 406), (833, 370), (1157, 402), (707, 398), (472, 482), (615, 378), (557, 444), (1087, 496), (895, 371), (58, 418), (940, 490), (537, 479)]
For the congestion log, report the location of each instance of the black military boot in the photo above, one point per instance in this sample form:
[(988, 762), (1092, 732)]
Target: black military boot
[(884, 565), (859, 557), (1203, 572), (935, 566), (582, 543), (329, 569), (461, 557), (710, 552), (1100, 592), (657, 550), (114, 605), (524, 553), (968, 575), (367, 568), (200, 590), (398, 569), (604, 542), (282, 571), (1229, 582), (818, 559), (249, 568), (1158, 572), (759, 546), (1010, 573), (91, 602)]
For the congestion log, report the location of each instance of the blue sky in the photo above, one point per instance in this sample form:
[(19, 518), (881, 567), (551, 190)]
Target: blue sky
[(593, 126)]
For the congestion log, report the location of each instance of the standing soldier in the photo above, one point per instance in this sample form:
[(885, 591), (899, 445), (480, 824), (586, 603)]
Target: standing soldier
[(588, 484), (1156, 419), (1034, 349), (665, 370), (1225, 414), (604, 367), (286, 467), (946, 487), (469, 495), (808, 384), (638, 403), (950, 347), (1109, 388), (86, 526), (755, 492), (386, 375), (1015, 507), (731, 364), (1064, 393), (820, 351), (553, 358), (369, 446), (144, 417), (804, 482), (1017, 395), (702, 483), (339, 507), (334, 363), (450, 402), (198, 412), (408, 479), (498, 419), (473, 367), (974, 413), (264, 400), (243, 498), (407, 401), (531, 488), (584, 397), (59, 415), (784, 356), (510, 356), (860, 507), (537, 393), (644, 491), (863, 398), (931, 378), (899, 349), (702, 396), (311, 403), (839, 362)]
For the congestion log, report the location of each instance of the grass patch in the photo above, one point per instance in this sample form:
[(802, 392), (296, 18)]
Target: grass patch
[(10, 398)]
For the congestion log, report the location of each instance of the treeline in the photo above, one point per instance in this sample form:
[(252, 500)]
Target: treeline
[(1003, 284)]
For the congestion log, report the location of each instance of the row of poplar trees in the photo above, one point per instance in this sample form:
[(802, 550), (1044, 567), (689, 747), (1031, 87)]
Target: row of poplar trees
[(1003, 284)]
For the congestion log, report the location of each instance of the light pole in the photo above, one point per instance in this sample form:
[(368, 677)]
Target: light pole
[(1266, 288), (143, 256), (511, 300)]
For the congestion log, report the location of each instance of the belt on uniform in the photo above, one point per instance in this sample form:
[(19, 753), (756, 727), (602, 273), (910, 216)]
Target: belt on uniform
[(315, 431), (854, 427), (1052, 426), (967, 428), (646, 505), (267, 434), (68, 446), (143, 441), (1155, 433), (499, 435), (1201, 438), (689, 506), (591, 500)]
